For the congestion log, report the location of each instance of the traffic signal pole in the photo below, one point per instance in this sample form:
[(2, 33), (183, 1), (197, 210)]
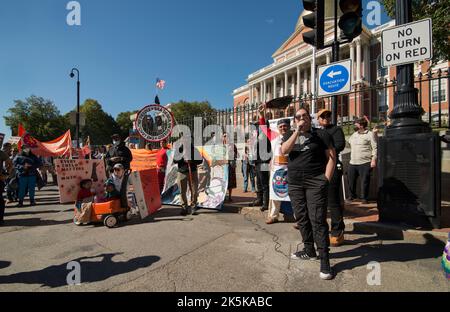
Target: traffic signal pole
[(335, 58)]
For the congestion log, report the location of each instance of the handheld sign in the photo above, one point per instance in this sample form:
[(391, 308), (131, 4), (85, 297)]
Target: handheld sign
[(407, 43), (335, 78)]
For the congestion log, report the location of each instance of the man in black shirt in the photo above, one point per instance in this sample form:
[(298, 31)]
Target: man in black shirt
[(118, 154), (312, 160), (334, 190)]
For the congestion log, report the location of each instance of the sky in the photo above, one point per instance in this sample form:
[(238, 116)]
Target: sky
[(203, 49)]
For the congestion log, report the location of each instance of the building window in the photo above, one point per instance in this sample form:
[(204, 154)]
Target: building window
[(383, 100), (382, 72), (435, 90)]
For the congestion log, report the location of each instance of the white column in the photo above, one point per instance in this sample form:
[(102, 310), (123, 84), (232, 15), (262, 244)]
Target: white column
[(328, 58), (358, 60), (264, 92), (366, 62), (298, 82), (274, 91), (352, 57), (286, 84), (260, 94), (305, 81)]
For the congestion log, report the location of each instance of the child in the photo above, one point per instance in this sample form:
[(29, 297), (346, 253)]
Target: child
[(85, 195), (110, 191)]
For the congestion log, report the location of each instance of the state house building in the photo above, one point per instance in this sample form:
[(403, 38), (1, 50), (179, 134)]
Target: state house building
[(295, 65)]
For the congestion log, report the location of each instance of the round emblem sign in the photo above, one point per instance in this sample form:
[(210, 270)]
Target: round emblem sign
[(154, 123)]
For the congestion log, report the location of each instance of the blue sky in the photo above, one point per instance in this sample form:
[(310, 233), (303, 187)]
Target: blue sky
[(202, 48)]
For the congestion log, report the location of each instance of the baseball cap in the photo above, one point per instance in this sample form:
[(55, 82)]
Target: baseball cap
[(323, 111)]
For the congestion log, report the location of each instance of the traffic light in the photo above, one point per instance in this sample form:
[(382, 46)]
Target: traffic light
[(351, 21), (316, 21)]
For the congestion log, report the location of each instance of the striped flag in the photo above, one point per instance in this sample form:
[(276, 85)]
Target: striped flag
[(160, 84)]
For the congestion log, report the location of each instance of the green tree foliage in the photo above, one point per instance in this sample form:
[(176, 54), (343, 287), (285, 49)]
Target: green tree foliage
[(40, 117), (439, 13), (124, 122), (185, 112), (99, 125)]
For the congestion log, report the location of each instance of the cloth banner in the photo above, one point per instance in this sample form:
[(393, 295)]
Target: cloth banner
[(145, 191), (143, 159), (56, 148), (212, 176), (70, 173), (278, 166)]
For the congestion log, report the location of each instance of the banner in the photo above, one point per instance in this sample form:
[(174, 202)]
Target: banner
[(212, 176), (145, 190), (143, 159), (72, 171), (278, 168), (56, 148)]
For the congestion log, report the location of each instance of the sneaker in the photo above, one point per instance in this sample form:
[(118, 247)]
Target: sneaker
[(336, 241), (194, 211), (349, 200), (303, 255), (184, 212), (295, 226), (20, 205), (32, 203), (326, 273), (263, 209), (271, 221)]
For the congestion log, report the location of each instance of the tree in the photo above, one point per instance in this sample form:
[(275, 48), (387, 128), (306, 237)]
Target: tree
[(40, 117), (184, 112), (439, 14), (124, 122), (99, 126)]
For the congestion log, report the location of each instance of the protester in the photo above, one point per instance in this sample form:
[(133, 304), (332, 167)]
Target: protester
[(118, 154), (111, 193), (4, 175), (334, 189), (187, 161), (263, 152), (120, 179), (312, 160), (148, 147), (12, 182), (85, 194), (161, 164), (231, 157), (27, 164), (279, 161), (248, 169), (363, 158)]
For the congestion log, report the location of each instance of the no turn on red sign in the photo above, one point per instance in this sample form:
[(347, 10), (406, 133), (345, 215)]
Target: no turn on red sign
[(407, 43)]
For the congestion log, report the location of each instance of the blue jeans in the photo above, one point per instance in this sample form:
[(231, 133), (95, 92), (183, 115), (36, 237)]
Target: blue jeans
[(27, 183), (248, 172)]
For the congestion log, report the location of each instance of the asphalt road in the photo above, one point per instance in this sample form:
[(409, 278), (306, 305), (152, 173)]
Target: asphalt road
[(214, 251)]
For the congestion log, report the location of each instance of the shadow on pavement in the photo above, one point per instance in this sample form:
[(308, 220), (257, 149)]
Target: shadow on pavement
[(33, 222), (4, 264), (396, 252), (91, 271)]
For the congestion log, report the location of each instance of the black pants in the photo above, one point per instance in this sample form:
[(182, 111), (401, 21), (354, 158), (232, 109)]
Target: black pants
[(309, 202), (263, 177), (2, 201), (363, 171), (335, 204)]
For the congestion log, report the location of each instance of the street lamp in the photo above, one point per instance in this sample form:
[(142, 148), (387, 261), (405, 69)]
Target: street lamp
[(77, 131)]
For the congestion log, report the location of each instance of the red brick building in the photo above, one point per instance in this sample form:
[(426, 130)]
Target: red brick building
[(295, 65)]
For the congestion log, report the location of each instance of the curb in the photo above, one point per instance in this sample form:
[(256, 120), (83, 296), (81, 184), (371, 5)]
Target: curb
[(384, 231)]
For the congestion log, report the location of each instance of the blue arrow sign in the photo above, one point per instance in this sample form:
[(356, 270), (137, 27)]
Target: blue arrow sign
[(334, 78)]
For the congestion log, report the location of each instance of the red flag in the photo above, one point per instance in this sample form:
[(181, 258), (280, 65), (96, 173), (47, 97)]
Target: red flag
[(21, 133)]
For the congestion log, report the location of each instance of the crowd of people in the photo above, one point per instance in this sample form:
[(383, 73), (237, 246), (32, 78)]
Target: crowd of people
[(310, 155)]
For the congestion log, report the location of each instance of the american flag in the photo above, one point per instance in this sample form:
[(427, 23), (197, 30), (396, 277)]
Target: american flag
[(160, 84)]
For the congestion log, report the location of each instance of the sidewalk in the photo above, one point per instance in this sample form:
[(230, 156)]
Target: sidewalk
[(358, 218)]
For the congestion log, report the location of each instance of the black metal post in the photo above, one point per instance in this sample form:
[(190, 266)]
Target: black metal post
[(439, 97), (77, 122), (406, 114), (335, 58)]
